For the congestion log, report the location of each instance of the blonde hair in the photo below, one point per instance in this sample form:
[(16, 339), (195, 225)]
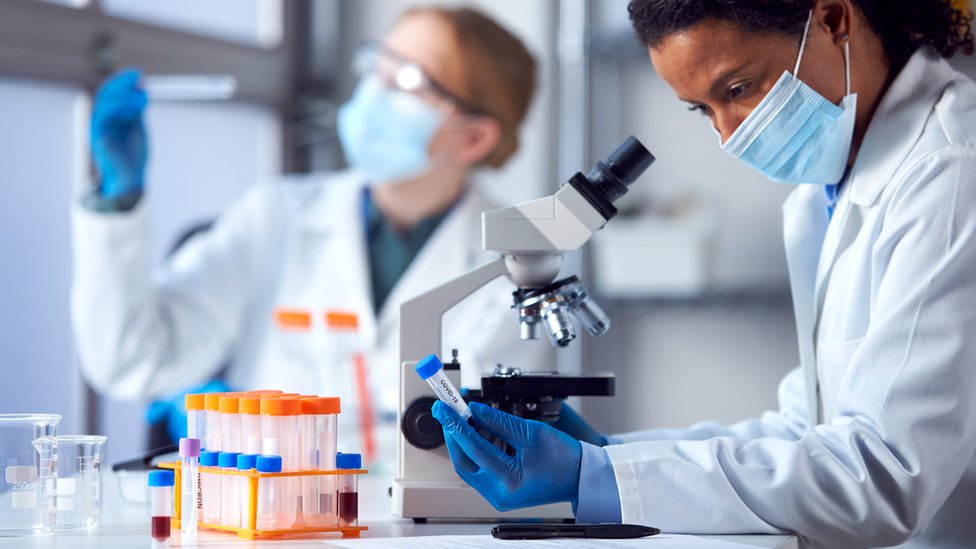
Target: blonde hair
[(498, 72)]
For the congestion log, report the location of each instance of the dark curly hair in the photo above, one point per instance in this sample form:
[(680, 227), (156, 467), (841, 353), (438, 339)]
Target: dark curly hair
[(902, 25)]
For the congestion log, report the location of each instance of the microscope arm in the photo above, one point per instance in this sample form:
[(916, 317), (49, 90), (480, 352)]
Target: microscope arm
[(422, 334)]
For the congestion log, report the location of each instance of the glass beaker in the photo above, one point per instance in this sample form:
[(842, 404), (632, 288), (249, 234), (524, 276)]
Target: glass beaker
[(79, 479), (27, 474)]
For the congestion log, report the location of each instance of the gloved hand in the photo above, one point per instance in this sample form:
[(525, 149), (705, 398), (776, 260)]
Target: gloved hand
[(544, 469), (575, 426), (118, 135)]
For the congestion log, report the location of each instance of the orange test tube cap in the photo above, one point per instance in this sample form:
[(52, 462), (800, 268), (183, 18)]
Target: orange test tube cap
[(194, 401), (320, 405), (211, 401), (229, 403), (250, 404), (281, 406)]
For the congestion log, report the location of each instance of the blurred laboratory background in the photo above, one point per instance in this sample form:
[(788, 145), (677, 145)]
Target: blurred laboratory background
[(692, 273)]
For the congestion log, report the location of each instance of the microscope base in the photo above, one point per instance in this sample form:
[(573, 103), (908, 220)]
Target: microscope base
[(457, 500)]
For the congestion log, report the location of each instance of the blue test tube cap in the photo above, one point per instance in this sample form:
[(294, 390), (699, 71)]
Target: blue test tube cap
[(209, 459), (246, 462), (268, 464), (428, 366), (349, 461), (163, 477), (228, 459)]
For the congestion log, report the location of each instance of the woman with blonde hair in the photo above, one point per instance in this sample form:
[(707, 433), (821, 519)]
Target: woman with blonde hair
[(441, 96)]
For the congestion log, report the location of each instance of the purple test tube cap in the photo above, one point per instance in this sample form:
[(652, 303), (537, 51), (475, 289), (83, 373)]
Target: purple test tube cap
[(189, 447)]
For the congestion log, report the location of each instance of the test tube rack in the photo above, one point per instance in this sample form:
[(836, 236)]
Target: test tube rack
[(251, 532)]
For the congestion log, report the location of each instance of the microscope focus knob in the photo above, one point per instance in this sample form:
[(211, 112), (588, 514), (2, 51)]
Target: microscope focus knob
[(419, 426)]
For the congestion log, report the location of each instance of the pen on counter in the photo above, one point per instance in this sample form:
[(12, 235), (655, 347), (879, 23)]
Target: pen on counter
[(549, 531)]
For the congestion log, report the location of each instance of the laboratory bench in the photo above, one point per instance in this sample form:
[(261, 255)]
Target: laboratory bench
[(126, 525)]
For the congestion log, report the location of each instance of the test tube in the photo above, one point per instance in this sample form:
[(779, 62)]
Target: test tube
[(279, 429), (250, 410), (318, 424), (294, 338), (431, 370), (268, 492), (230, 494), (190, 501), (211, 402), (348, 489), (246, 462), (161, 506), (196, 417), (210, 488), (230, 423), (189, 87)]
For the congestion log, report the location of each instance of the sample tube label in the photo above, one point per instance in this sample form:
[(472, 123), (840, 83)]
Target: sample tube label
[(450, 393)]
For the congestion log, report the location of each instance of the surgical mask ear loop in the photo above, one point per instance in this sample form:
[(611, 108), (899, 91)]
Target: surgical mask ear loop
[(847, 54), (803, 45), (847, 62)]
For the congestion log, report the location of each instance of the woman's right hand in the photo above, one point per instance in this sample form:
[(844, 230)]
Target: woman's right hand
[(118, 135), (573, 424)]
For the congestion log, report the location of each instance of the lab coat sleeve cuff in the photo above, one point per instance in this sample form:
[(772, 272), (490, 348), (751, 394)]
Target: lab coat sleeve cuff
[(598, 499)]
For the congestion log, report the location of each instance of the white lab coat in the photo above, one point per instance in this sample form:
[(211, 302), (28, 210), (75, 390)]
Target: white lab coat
[(892, 280), (297, 244)]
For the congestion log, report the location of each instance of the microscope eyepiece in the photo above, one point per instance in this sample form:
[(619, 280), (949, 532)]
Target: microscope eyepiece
[(608, 179)]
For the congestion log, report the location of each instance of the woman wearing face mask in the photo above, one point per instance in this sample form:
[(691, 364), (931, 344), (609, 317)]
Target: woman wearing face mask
[(443, 95), (875, 437)]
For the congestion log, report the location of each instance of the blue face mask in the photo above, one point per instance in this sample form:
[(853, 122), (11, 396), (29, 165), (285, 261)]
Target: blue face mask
[(385, 133), (795, 135)]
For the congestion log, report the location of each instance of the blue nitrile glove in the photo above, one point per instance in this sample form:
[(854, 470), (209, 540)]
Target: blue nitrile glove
[(575, 426), (544, 469), (118, 135)]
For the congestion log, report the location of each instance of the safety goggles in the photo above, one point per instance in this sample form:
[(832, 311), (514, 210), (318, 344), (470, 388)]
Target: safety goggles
[(402, 74)]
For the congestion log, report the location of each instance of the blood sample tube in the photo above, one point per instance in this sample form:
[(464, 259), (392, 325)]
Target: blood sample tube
[(161, 506), (348, 489)]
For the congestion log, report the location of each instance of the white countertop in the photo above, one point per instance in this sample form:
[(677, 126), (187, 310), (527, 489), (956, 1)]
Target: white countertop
[(127, 525)]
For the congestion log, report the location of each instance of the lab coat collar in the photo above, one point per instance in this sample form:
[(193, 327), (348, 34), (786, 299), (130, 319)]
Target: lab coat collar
[(320, 213), (454, 247), (898, 123)]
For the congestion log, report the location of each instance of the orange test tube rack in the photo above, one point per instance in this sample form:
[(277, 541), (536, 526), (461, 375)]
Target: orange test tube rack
[(251, 531)]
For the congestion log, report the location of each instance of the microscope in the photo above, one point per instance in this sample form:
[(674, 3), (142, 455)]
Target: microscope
[(531, 239)]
